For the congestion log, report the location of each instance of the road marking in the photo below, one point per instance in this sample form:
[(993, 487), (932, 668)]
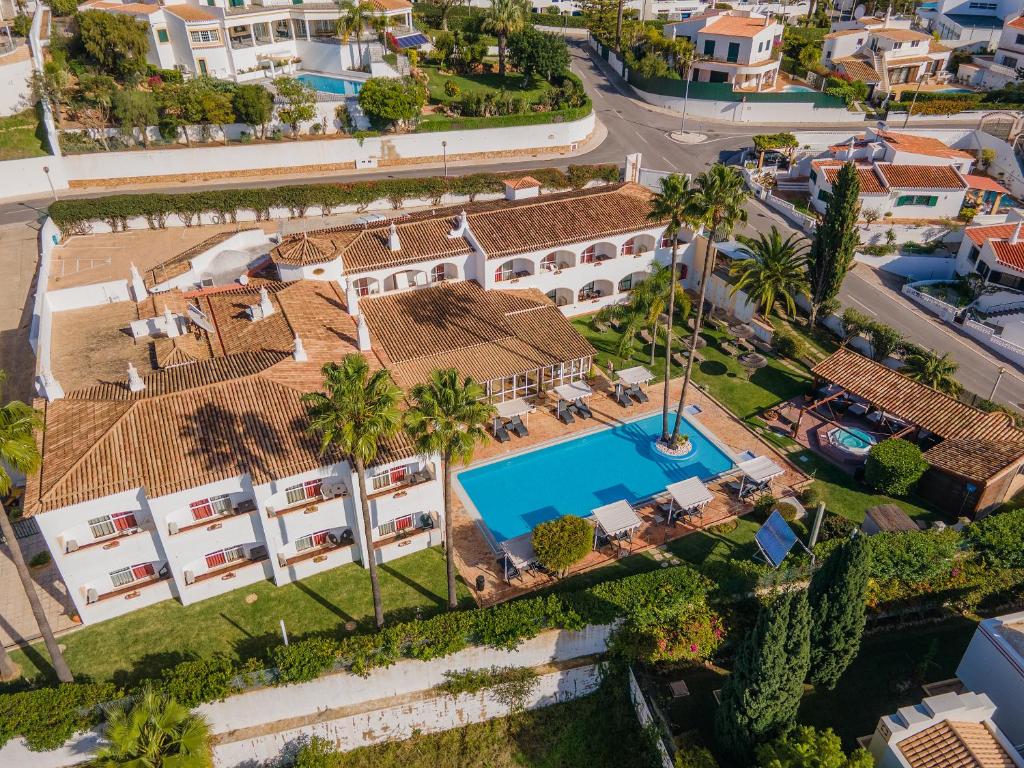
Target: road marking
[(867, 309)]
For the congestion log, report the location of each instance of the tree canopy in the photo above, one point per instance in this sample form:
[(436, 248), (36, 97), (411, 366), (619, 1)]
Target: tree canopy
[(835, 240), (562, 542), (538, 53), (115, 42), (392, 101), (805, 747)]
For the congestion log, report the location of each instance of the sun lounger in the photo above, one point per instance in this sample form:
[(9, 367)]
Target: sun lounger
[(646, 336), (621, 397), (583, 409), (517, 427), (637, 394), (502, 434), (563, 413)]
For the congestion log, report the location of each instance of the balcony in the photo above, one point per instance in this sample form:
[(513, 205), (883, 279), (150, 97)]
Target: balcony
[(229, 571), (399, 489), (243, 507), (422, 528), (129, 591), (331, 489), (113, 541), (316, 554)]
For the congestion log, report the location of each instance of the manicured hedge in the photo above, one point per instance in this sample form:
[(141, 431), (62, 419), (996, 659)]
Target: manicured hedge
[(436, 123), (74, 215)]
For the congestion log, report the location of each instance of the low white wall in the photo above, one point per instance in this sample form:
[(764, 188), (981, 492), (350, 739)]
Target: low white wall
[(937, 306), (26, 178), (1007, 349), (646, 718)]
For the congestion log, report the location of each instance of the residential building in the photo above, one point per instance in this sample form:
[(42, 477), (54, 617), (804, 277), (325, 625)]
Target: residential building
[(896, 191), (947, 731), (973, 25), (193, 474), (993, 664), (243, 40), (736, 47), (1000, 68)]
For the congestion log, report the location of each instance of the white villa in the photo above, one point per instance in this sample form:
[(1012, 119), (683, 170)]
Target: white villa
[(175, 457), (971, 24), (737, 47), (242, 40), (1000, 68)]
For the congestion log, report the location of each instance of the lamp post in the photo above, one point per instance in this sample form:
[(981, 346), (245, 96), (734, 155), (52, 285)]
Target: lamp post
[(910, 109), (444, 151), (999, 376), (53, 191)]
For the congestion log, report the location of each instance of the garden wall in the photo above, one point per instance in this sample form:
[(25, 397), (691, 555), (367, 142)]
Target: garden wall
[(912, 266)]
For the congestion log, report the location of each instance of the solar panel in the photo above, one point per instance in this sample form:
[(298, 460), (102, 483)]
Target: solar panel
[(411, 41), (775, 538)]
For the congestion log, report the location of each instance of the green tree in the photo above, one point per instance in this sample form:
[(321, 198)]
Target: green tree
[(446, 9), (355, 16), (299, 102), (893, 466), (115, 42), (885, 340), (504, 18), (63, 7), (773, 268), (767, 141), (254, 106), (798, 652), (92, 103), (837, 595), (932, 370), (392, 101), (355, 415), (538, 53), (180, 106), (52, 85), (20, 452), (674, 204), (835, 241), (999, 538), (448, 417), (154, 731), (717, 205), (217, 109), (135, 110), (671, 625), (648, 300), (805, 747), (854, 324), (562, 542), (757, 701)]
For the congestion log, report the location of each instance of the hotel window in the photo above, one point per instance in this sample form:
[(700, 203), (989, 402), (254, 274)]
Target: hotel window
[(813, 176), (897, 45), (438, 274), (928, 200), (548, 263), (310, 489), (108, 525), (204, 36), (125, 576), (984, 6), (215, 505), (824, 195), (1020, 39), (391, 477), (733, 53), (1009, 61), (395, 526), (161, 35), (225, 556), (365, 286), (589, 256), (300, 27), (313, 540), (973, 255), (629, 247), (666, 241), (504, 272)]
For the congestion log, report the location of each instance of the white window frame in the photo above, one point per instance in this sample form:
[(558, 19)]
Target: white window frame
[(309, 540), (390, 528), (107, 521), (303, 489), (204, 36), (381, 480)]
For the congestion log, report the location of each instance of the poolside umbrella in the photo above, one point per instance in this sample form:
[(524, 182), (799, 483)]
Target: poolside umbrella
[(720, 313), (741, 331), (753, 360), (701, 342)]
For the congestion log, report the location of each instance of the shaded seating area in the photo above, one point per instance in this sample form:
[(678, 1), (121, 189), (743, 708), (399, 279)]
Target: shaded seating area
[(756, 475), (689, 498), (615, 522), (572, 401), (512, 417), (517, 557), (628, 386)]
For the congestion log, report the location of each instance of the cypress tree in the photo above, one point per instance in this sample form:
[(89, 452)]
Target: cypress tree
[(835, 240), (760, 697), (837, 596)]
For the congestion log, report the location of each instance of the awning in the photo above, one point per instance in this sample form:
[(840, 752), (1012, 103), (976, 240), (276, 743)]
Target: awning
[(690, 493), (574, 390), (760, 469), (984, 183), (617, 517), (509, 408), (636, 375)]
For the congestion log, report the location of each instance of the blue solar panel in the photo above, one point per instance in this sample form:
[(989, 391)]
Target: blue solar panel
[(411, 41), (775, 538)]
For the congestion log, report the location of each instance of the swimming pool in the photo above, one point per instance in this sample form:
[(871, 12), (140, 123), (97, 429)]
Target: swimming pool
[(851, 439), (797, 89), (576, 476), (336, 85)]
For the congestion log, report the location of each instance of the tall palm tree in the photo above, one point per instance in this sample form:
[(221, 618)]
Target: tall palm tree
[(643, 309), (935, 371), (717, 205), (154, 731), (356, 414), (448, 417), (773, 268), (673, 204), (355, 16), (18, 450), (504, 18)]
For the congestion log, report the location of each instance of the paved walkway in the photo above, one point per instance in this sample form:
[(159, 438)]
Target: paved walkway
[(17, 625), (19, 252)]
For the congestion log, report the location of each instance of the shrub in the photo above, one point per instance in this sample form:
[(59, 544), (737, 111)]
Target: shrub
[(63, 7), (810, 497), (835, 527), (318, 752), (193, 682), (786, 344), (763, 506), (47, 717), (511, 686), (40, 559), (562, 542), (451, 89), (999, 538), (893, 466), (913, 557), (305, 660)]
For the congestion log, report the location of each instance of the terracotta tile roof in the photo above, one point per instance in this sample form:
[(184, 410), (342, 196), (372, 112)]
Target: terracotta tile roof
[(859, 69), (133, 8), (1009, 254), (979, 235), (974, 460), (869, 183), (738, 26), (391, 5), (1017, 23), (844, 33), (524, 182), (915, 403), (920, 176), (921, 145), (984, 183), (901, 35), (936, 47), (955, 745), (858, 141), (180, 263), (189, 13), (483, 334)]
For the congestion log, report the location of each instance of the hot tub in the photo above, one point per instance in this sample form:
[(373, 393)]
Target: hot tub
[(852, 440)]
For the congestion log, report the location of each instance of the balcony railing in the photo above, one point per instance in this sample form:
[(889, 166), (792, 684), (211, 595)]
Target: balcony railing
[(424, 475), (425, 523), (330, 490), (243, 507), (316, 554), (228, 571), (129, 591)]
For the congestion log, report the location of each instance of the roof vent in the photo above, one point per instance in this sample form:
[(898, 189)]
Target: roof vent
[(138, 286), (263, 309), (461, 226), (522, 188), (170, 323), (300, 351), (362, 334), (394, 243), (135, 382)]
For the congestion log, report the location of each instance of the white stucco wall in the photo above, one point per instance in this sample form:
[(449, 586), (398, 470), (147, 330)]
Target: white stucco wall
[(782, 113), (14, 89)]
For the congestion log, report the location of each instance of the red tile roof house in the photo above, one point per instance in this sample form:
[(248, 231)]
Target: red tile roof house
[(175, 457)]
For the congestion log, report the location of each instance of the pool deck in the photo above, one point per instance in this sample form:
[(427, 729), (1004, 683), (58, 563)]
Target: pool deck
[(474, 555)]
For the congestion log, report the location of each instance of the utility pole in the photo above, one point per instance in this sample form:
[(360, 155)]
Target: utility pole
[(913, 101), (999, 376)]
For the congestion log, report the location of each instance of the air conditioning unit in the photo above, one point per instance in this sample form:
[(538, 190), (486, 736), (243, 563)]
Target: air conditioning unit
[(270, 510), (282, 560), (190, 577), (260, 550), (333, 488), (91, 595), (172, 528), (70, 545)]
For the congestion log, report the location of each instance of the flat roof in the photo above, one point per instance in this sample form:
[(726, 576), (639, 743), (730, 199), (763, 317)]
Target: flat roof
[(975, 22)]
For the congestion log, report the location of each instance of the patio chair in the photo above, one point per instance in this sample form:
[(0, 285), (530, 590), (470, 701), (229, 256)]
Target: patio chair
[(517, 427), (508, 568), (646, 336), (563, 413), (502, 434), (620, 397), (637, 394), (583, 409)]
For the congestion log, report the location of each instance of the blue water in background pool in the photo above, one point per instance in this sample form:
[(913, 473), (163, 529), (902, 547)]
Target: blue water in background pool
[(327, 84), (854, 438), (577, 476)]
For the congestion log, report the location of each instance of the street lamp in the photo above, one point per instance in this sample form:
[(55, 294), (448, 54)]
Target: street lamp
[(444, 151), (910, 109), (53, 191), (999, 376)]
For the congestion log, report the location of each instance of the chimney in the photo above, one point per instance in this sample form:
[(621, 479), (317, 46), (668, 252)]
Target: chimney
[(170, 324), (266, 308), (351, 298), (135, 382), (394, 244), (49, 387), (139, 291), (299, 354), (461, 226), (362, 334), (1015, 237), (521, 188)]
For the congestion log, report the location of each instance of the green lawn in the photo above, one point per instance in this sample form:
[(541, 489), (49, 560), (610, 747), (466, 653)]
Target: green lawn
[(140, 644), (22, 136), (489, 82)]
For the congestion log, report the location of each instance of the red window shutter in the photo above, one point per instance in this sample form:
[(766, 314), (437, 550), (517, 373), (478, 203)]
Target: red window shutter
[(398, 474), (124, 522), (319, 538), (313, 489), (201, 509), (403, 522), (142, 571), (214, 559)]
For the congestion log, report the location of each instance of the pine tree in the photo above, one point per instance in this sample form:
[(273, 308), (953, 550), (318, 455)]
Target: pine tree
[(837, 598), (760, 697), (835, 240)]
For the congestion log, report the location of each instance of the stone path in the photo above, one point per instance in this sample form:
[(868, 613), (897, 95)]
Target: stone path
[(17, 624)]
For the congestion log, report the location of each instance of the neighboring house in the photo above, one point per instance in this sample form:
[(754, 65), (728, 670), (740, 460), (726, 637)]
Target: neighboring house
[(948, 731), (973, 25), (736, 47), (193, 474), (878, 145), (883, 53), (240, 40), (1001, 68), (903, 192), (993, 664)]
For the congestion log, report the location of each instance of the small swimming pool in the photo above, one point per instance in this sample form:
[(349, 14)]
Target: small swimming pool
[(797, 89), (327, 84), (576, 476), (851, 439)]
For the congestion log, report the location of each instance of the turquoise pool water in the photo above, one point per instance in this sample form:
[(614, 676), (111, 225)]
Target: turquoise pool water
[(852, 439), (577, 476), (327, 84), (797, 89)]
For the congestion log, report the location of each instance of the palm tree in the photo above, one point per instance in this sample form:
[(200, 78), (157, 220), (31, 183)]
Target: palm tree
[(504, 18), (935, 371), (448, 417), (154, 731), (717, 204), (643, 309), (356, 414), (18, 450), (353, 21), (773, 268), (673, 204)]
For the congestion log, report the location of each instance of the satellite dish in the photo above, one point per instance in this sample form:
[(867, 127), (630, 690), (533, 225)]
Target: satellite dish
[(859, 11)]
